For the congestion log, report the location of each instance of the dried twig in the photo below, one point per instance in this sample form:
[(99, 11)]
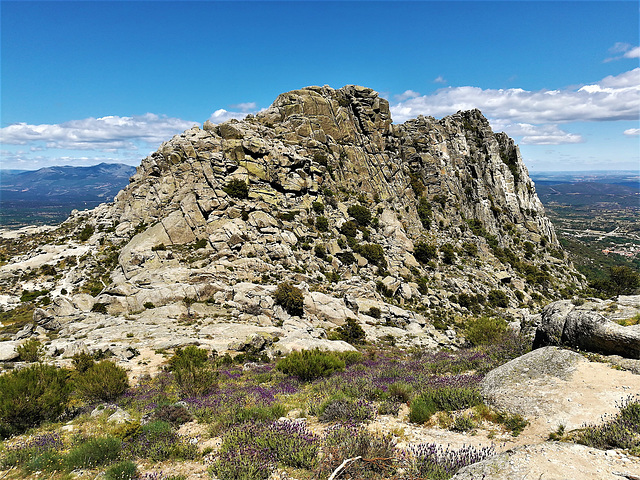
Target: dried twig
[(342, 466)]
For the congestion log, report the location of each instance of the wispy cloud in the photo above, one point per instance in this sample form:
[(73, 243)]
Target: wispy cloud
[(632, 132), (245, 107), (439, 79), (622, 50), (106, 133), (223, 115)]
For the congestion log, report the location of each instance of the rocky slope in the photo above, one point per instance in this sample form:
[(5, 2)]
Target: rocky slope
[(424, 222)]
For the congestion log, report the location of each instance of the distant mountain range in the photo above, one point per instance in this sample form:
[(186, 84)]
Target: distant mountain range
[(47, 195)]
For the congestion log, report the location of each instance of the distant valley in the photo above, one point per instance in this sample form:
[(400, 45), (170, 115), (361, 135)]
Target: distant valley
[(47, 196)]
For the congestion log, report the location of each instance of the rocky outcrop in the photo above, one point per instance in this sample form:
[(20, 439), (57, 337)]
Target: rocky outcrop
[(553, 461), (391, 225), (551, 386), (591, 326)]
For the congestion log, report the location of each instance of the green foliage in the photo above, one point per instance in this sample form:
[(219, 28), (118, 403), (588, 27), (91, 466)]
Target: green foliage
[(290, 298), (349, 229), (318, 207), (82, 362), (236, 188), (497, 298), (202, 243), (341, 408), (448, 254), (99, 308), (463, 423), (351, 332), (423, 252), (424, 212), (159, 247), (373, 252), (442, 399), (322, 224), (148, 305), (400, 391), (416, 184), (30, 396), (28, 296), (320, 251), (86, 232), (103, 381), (621, 280), (470, 249), (485, 330), (308, 365), (374, 312), (514, 423), (93, 453), (125, 470), (361, 214), (193, 371), (30, 351), (619, 431)]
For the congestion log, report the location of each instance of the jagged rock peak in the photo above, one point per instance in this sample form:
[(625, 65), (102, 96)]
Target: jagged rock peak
[(315, 155)]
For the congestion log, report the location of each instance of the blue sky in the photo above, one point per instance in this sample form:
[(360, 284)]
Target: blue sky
[(87, 82)]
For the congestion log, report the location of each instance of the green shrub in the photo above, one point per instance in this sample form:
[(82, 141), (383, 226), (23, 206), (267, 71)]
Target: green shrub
[(125, 470), (373, 252), (320, 251), (322, 224), (497, 298), (442, 399), (86, 232), (424, 212), (104, 381), (94, 453), (193, 371), (28, 296), (400, 391), (424, 252), (361, 214), (82, 361), (236, 188), (318, 207), (347, 258), (30, 351), (159, 247), (99, 307), (485, 330), (148, 305), (30, 396), (290, 298), (374, 312), (308, 365), (343, 409), (351, 332), (463, 423), (514, 423), (448, 254), (349, 229)]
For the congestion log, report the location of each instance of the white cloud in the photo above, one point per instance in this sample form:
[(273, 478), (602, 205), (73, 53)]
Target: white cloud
[(632, 131), (245, 107), (439, 79), (106, 133), (548, 134), (613, 98), (222, 115), (533, 115), (406, 95), (633, 53), (623, 50)]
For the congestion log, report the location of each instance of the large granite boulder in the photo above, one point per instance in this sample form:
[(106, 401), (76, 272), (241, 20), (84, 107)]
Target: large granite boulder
[(591, 327)]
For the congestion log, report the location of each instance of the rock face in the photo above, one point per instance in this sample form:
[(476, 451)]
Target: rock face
[(387, 224), (554, 461), (591, 326)]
